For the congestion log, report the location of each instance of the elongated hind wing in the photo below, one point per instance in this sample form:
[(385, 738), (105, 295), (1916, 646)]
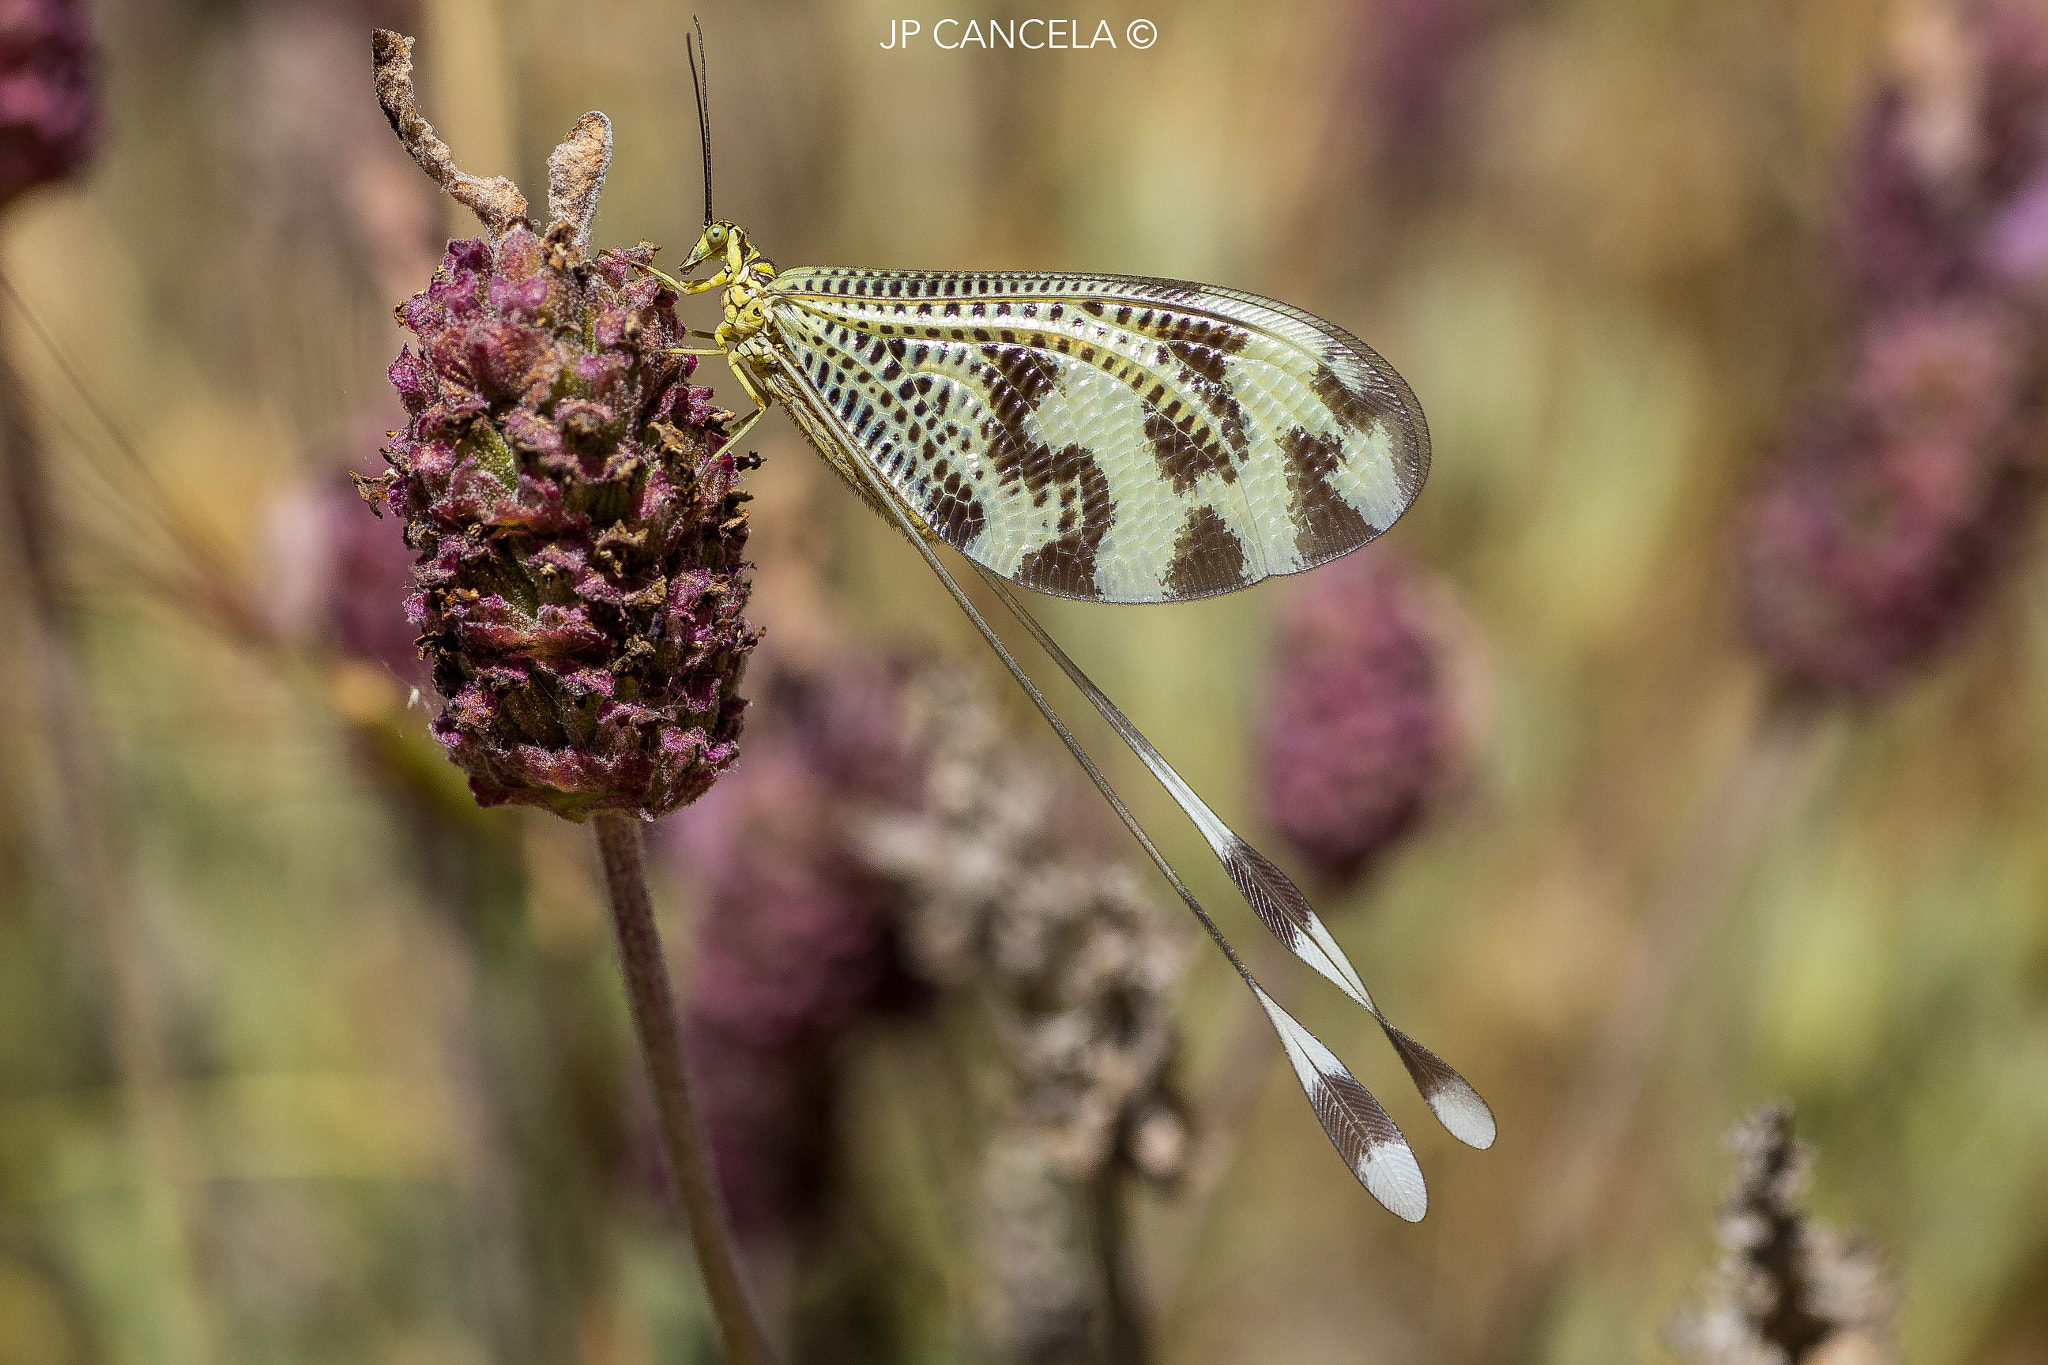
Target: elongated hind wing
[(1357, 1125)]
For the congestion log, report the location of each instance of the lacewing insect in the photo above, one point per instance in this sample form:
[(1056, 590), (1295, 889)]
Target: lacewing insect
[(1109, 438)]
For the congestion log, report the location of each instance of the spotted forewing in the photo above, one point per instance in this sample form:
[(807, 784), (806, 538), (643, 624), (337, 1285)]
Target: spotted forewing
[(1110, 438)]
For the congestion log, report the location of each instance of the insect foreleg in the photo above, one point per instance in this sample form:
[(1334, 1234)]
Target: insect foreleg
[(746, 425), (753, 391), (688, 286)]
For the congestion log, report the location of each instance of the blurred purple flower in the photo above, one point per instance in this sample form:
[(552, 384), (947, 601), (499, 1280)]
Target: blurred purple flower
[(795, 943), (2016, 241), (339, 580), (1361, 727), (791, 945), (578, 528), (1869, 545), (1946, 162), (1867, 548), (886, 839), (49, 93), (1420, 49)]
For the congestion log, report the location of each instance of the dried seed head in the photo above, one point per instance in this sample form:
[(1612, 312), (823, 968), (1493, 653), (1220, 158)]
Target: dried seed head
[(1788, 1289), (1037, 1297), (49, 93), (1075, 965)]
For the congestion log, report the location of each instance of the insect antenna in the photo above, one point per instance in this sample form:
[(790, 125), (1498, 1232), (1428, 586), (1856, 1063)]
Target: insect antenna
[(700, 80)]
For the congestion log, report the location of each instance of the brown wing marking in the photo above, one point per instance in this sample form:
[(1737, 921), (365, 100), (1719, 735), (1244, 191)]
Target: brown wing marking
[(1207, 556)]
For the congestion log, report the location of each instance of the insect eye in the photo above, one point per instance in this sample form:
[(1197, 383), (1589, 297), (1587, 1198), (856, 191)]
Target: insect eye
[(714, 235)]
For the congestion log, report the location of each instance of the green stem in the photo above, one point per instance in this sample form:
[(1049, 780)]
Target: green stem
[(661, 1042)]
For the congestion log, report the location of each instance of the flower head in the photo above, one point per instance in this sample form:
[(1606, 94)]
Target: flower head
[(1422, 49), (1361, 729), (794, 939), (568, 493), (1868, 547), (579, 582), (1950, 155), (49, 93)]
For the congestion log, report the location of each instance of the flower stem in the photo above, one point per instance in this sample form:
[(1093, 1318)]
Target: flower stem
[(1123, 1336), (661, 1042)]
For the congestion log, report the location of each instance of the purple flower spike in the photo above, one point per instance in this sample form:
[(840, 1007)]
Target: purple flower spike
[(1871, 544), (1361, 726), (578, 531), (49, 93), (794, 940)]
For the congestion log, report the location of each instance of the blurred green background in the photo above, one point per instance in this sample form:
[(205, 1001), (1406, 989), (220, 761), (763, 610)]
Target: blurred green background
[(247, 1113)]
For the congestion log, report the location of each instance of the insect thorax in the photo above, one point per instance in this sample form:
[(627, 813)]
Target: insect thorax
[(748, 276)]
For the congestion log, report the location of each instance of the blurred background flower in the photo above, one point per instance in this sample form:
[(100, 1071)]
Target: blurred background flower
[(889, 854), (1902, 490), (1367, 720), (49, 98), (796, 943)]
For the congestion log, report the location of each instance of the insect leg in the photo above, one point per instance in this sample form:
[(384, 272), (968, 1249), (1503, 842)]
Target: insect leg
[(754, 391), (687, 287)]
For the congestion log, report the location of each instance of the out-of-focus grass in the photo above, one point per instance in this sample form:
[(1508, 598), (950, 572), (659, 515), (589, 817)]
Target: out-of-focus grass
[(1605, 296)]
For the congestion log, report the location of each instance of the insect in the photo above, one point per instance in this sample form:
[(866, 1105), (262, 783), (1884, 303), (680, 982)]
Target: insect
[(1112, 439)]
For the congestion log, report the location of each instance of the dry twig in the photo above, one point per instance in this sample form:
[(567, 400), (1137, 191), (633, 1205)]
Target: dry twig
[(575, 176), (496, 202)]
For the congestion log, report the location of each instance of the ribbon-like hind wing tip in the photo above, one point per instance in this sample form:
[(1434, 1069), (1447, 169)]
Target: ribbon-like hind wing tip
[(1395, 1180), (1450, 1097), (1280, 905), (1463, 1114), (1368, 1140), (1358, 1126)]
